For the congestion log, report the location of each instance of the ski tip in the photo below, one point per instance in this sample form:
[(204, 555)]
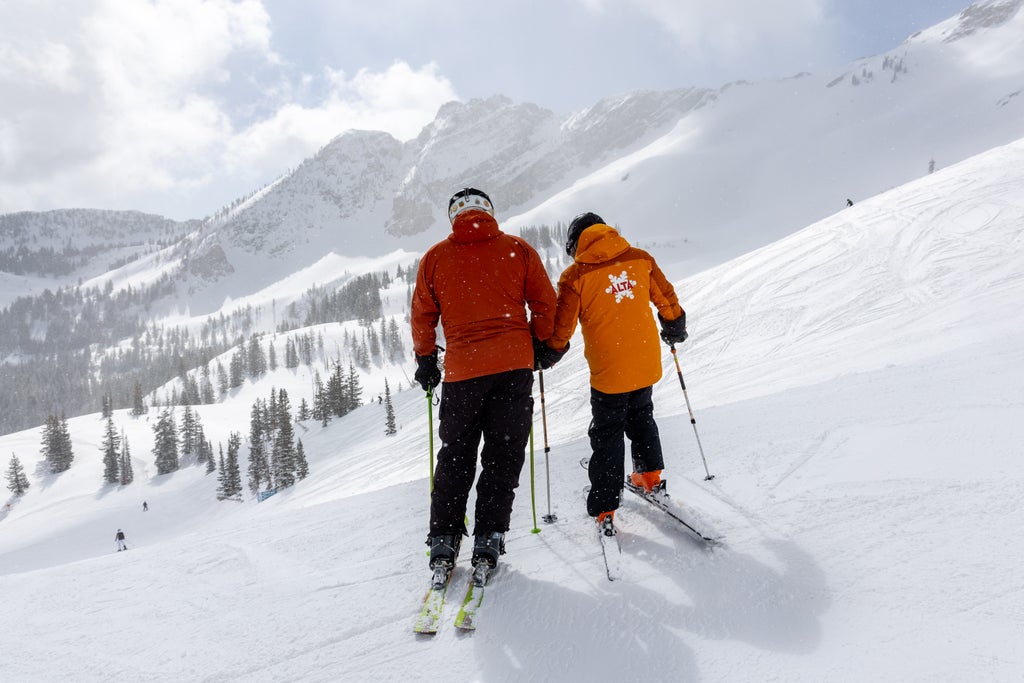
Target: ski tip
[(425, 628)]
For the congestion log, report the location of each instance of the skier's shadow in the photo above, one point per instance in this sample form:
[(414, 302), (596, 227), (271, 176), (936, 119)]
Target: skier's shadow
[(598, 635), (612, 631), (735, 596)]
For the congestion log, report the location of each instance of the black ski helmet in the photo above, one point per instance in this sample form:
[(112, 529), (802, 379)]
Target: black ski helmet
[(469, 198), (578, 225)]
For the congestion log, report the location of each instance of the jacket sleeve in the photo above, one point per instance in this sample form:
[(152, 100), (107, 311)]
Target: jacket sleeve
[(425, 311), (567, 311), (540, 296), (663, 295)]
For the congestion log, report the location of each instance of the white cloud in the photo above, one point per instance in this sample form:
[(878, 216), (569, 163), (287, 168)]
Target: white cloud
[(122, 96), (399, 100)]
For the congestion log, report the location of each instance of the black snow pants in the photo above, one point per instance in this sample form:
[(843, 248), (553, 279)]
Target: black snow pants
[(632, 414), (499, 408)]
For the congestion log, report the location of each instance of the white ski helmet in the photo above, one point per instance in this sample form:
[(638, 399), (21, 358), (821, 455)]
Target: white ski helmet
[(469, 199)]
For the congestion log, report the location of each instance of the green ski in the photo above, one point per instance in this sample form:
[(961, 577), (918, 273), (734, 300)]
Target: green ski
[(466, 618), (433, 604)]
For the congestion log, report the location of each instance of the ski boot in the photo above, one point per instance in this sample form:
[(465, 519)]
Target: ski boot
[(444, 549), (486, 549), (606, 523), (647, 481)]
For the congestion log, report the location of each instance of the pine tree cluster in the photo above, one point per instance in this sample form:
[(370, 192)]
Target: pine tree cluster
[(276, 459)]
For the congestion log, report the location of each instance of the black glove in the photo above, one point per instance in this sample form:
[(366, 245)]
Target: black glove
[(544, 356), (673, 331), (427, 372)]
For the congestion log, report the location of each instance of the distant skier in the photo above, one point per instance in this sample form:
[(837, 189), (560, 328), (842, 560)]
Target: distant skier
[(849, 202), (609, 290), (145, 506), (119, 537), (478, 283)]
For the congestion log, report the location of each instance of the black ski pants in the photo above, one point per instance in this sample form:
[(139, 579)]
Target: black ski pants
[(614, 415), (499, 408)]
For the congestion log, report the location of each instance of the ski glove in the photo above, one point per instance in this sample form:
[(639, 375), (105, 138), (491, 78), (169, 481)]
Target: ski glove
[(427, 372), (544, 356), (673, 331)]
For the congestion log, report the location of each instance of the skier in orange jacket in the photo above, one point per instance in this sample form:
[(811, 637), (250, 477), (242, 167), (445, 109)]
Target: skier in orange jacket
[(609, 289), (478, 283)]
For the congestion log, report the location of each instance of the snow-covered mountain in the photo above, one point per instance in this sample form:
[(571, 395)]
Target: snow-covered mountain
[(856, 387), (716, 173), (705, 174), (53, 249)]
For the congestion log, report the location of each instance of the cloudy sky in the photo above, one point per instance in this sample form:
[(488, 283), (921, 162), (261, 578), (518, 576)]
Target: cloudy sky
[(177, 107)]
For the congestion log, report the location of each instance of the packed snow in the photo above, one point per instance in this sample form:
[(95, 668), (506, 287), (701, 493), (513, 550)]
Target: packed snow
[(856, 388)]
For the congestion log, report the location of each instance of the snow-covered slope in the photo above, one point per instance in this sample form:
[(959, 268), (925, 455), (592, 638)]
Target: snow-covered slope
[(856, 388)]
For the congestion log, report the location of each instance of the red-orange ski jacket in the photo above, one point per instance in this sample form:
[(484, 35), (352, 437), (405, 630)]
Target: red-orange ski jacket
[(609, 290), (478, 283)]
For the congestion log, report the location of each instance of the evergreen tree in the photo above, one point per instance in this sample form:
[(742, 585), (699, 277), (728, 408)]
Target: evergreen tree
[(284, 444), (56, 448), (394, 346), (138, 401), (271, 356), (222, 379), (353, 389), (389, 411), (373, 344), (257, 361), (111, 447), (291, 355), (165, 443), (234, 477), (189, 432), (303, 413), (127, 472), (237, 371), (258, 465), (336, 392), (301, 465), (321, 401), (108, 405), (270, 416), (206, 452), (48, 445), (222, 476), (17, 482), (64, 442), (190, 395)]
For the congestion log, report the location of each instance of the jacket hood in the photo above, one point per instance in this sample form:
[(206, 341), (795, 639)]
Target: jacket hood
[(600, 243), (474, 226)]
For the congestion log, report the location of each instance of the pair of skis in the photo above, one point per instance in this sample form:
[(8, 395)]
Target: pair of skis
[(429, 619), (611, 549)]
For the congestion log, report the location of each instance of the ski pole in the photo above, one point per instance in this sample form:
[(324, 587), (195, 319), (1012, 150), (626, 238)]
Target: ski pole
[(533, 497), (548, 518), (430, 431), (693, 420)]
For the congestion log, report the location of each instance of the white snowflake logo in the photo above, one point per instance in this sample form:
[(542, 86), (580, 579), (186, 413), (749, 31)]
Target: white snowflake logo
[(621, 287)]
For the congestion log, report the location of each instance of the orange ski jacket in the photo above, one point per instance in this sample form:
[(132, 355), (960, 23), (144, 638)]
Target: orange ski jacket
[(478, 282), (609, 289)]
